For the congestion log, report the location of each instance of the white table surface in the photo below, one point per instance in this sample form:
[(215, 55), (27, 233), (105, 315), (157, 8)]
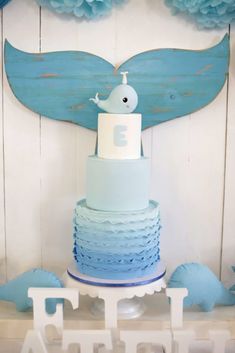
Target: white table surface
[(14, 346), (14, 325)]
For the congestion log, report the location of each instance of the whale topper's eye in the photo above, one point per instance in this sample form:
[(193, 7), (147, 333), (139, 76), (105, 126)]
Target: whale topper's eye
[(125, 99)]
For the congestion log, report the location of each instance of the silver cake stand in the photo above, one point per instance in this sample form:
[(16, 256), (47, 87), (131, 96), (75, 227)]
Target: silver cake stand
[(119, 299)]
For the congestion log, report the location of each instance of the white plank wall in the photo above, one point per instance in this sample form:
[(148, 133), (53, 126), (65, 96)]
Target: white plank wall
[(58, 156), (42, 162), (21, 151), (2, 195), (228, 245)]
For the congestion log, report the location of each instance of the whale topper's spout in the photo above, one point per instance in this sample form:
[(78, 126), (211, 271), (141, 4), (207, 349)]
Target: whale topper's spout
[(124, 77)]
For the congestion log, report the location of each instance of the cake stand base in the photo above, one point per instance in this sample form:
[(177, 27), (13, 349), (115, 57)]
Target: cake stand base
[(126, 308), (119, 297)]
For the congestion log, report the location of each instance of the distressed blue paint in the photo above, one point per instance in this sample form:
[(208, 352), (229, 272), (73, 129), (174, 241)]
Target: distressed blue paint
[(170, 82), (3, 3)]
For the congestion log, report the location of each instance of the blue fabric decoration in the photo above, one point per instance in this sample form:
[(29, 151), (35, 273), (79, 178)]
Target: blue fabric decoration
[(203, 286), (207, 13), (89, 9), (16, 290), (3, 3), (169, 82), (233, 287)]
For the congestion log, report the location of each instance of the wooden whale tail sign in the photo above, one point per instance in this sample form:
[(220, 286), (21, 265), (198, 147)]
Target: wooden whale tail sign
[(170, 82)]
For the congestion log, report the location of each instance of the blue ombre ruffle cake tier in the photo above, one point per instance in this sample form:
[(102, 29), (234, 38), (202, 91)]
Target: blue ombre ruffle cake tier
[(116, 245)]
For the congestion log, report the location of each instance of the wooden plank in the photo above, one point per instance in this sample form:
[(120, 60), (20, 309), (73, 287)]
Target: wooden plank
[(170, 82), (187, 153), (228, 244), (22, 151), (2, 185), (58, 193), (86, 143)]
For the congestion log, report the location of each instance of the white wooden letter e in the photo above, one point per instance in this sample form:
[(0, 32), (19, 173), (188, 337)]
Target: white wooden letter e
[(40, 316)]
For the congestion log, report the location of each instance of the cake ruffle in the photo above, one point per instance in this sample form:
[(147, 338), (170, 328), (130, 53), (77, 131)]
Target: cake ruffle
[(82, 212), (99, 239), (116, 245), (118, 268)]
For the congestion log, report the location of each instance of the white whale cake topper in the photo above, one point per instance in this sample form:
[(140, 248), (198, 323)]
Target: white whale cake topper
[(122, 100)]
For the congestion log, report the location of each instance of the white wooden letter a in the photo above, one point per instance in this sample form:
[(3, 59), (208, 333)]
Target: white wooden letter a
[(33, 343)]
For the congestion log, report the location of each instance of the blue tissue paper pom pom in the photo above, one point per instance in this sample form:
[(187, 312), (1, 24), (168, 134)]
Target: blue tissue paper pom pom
[(207, 13), (89, 9)]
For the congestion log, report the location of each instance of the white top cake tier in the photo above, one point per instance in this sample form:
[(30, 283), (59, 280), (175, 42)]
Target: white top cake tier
[(119, 136)]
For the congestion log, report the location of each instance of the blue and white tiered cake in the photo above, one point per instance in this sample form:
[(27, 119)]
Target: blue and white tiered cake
[(117, 228)]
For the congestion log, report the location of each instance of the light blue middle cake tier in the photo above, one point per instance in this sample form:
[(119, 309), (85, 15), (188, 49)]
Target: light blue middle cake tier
[(117, 185), (116, 245)]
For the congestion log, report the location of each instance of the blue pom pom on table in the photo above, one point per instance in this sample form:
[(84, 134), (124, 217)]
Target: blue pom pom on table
[(207, 13), (89, 9)]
